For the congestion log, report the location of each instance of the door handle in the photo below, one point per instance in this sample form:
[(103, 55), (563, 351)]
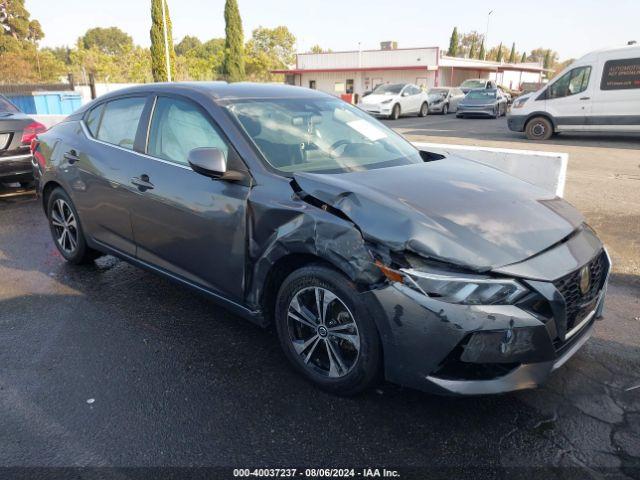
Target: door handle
[(585, 98), (142, 182), (71, 156)]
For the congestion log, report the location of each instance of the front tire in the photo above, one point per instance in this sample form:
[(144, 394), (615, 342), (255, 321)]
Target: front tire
[(538, 128), (424, 110), (445, 109), (326, 331), (66, 229), (395, 112)]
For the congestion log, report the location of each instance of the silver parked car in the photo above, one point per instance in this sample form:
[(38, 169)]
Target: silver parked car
[(482, 102), (444, 99)]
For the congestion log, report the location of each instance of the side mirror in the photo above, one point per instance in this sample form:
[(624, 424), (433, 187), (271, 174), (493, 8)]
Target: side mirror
[(405, 93), (208, 161)]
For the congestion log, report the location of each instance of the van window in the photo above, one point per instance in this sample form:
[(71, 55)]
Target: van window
[(573, 82), (621, 74), (120, 121)]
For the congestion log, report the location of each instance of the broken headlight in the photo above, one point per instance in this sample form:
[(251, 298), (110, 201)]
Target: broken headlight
[(461, 288)]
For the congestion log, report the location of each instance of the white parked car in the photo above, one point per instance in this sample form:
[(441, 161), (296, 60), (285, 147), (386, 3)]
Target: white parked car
[(444, 99), (395, 99), (599, 92)]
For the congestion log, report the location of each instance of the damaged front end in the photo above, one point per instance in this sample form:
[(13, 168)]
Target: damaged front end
[(464, 293)]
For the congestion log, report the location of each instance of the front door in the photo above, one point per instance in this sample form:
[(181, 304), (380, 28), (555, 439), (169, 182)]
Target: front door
[(183, 222), (568, 99)]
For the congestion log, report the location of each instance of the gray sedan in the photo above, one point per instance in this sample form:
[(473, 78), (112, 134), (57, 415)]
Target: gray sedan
[(290, 207), (481, 102)]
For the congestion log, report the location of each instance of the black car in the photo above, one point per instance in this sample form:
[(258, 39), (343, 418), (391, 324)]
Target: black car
[(16, 132), (372, 258)]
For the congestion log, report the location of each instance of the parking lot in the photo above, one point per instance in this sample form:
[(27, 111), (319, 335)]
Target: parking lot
[(108, 365)]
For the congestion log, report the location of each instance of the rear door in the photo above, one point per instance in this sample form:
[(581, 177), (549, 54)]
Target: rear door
[(185, 223), (99, 170), (616, 96)]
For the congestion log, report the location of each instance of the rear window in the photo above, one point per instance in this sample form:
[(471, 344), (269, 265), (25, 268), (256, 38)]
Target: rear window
[(93, 119), (621, 74), (120, 121), (7, 107)]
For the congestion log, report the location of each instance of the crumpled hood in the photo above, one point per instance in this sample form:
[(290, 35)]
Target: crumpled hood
[(453, 210)]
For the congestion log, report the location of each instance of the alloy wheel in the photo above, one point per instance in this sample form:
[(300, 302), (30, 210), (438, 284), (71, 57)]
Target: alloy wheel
[(65, 226), (323, 332)]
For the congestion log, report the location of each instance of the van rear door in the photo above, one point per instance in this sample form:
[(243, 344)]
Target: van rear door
[(616, 97)]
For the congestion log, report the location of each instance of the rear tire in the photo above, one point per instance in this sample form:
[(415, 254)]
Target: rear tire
[(538, 128), (344, 325), (395, 112), (424, 110), (66, 229)]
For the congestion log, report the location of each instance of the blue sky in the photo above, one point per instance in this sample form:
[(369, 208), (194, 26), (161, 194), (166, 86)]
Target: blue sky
[(571, 27)]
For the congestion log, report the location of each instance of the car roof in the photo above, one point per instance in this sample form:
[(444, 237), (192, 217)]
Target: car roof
[(223, 90)]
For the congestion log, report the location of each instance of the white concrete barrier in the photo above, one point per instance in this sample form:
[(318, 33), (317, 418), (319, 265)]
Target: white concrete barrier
[(547, 170)]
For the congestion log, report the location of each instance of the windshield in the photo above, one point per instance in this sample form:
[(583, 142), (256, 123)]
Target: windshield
[(393, 89), (482, 95), (323, 135), (473, 83), (6, 106)]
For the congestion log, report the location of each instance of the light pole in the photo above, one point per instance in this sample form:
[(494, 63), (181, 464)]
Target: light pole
[(486, 33), (166, 41)]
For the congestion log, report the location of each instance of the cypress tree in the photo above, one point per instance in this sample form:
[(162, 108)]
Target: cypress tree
[(481, 55), (524, 57), (547, 59), (512, 56), (233, 63), (453, 43), (499, 54), (158, 62), (472, 49)]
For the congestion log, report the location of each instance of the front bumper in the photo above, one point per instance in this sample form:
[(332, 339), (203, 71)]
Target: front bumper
[(378, 110), (516, 122), (484, 111), (16, 168), (436, 107), (453, 349)]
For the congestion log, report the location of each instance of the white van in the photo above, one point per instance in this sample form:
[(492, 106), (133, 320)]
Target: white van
[(598, 92)]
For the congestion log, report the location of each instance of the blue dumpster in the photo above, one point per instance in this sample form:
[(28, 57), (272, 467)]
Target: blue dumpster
[(48, 103)]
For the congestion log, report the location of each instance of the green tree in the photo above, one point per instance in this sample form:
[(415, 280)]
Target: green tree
[(188, 44), (112, 40), (269, 49), (524, 57), (15, 20), (158, 57), (317, 49), (499, 53), (546, 63), (453, 43), (481, 54), (512, 55), (472, 50), (233, 64)]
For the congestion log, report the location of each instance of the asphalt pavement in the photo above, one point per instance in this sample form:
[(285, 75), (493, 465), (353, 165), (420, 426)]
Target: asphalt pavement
[(107, 365)]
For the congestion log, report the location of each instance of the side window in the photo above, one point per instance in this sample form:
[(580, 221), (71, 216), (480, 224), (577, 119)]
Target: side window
[(621, 74), (179, 126), (92, 120), (572, 82), (120, 121)]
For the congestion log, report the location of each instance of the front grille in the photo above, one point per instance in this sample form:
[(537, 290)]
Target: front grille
[(577, 304)]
